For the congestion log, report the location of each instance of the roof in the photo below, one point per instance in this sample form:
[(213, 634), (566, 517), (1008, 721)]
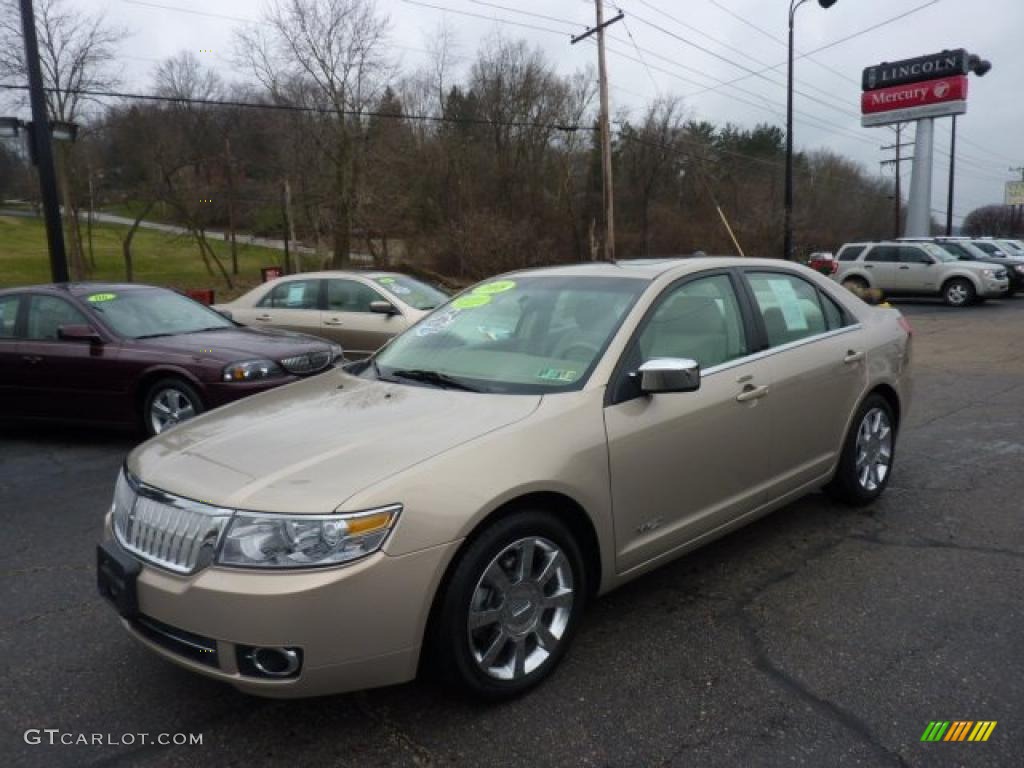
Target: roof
[(82, 289), (649, 269)]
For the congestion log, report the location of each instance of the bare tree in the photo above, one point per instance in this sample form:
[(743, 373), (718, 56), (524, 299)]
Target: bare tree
[(327, 54), (75, 52)]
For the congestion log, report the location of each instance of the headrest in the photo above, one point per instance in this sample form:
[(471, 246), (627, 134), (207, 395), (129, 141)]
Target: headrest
[(695, 314)]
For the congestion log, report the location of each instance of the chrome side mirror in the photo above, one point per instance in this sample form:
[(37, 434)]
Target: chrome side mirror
[(669, 374)]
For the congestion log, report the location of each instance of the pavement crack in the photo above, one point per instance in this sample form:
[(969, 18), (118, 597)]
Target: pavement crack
[(924, 543), (80, 610), (421, 755)]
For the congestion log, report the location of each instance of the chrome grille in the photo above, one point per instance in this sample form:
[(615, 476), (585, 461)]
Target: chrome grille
[(1001, 274), (311, 362), (175, 533)]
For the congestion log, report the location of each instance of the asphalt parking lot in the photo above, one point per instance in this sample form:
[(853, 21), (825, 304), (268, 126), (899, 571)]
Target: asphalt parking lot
[(818, 636)]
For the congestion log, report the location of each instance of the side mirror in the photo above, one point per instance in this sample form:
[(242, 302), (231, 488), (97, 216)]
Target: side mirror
[(79, 333), (383, 308), (669, 374)]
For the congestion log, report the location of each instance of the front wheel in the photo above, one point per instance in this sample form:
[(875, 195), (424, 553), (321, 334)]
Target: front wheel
[(959, 293), (511, 606), (169, 402), (866, 462)]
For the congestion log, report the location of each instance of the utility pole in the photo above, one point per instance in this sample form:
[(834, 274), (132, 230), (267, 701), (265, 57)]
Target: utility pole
[(898, 163), (286, 209), (42, 150), (231, 206), (952, 181), (607, 188)]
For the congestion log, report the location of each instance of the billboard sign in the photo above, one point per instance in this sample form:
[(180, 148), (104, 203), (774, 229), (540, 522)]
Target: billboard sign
[(888, 74), (914, 101), (1015, 193)]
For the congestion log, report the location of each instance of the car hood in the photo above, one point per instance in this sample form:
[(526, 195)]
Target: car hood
[(307, 447), (235, 344)]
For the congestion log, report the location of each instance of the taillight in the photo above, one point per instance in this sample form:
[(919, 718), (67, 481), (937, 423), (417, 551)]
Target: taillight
[(906, 326)]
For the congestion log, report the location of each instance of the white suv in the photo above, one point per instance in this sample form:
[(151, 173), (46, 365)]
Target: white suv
[(918, 269)]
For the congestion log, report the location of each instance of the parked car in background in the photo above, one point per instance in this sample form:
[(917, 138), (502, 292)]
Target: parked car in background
[(454, 502), (918, 269), (361, 311), (965, 251), (992, 248), (135, 355), (823, 262)]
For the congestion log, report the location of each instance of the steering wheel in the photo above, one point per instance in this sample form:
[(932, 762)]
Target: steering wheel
[(589, 352)]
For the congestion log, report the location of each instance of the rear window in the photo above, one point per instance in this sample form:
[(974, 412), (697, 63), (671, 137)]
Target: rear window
[(884, 253), (8, 314), (851, 252)]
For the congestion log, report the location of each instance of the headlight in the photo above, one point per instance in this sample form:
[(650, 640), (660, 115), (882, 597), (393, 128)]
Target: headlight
[(988, 272), (252, 370), (256, 540), (1020, 268)]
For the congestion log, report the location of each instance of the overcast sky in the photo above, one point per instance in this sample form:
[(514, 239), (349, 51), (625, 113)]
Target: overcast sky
[(723, 45)]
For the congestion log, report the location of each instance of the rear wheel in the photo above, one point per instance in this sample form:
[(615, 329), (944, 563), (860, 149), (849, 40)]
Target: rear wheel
[(511, 607), (168, 402), (959, 292), (865, 465)]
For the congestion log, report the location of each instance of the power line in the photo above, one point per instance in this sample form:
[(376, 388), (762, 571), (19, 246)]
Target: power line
[(445, 9)]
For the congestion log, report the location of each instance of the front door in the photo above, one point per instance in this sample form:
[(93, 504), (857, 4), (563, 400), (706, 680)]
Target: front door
[(881, 263), (916, 271), (685, 464), (348, 320)]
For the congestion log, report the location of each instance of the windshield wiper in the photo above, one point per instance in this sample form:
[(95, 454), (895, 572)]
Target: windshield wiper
[(155, 335), (433, 377)]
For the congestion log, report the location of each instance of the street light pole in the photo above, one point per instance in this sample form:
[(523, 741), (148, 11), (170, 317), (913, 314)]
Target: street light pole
[(952, 181), (787, 247), (42, 150)]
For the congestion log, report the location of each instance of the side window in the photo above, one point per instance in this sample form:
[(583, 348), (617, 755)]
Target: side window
[(789, 306), (884, 253), (47, 313), (699, 320), (350, 296), (851, 252), (8, 316), (293, 294), (834, 316), (910, 255)]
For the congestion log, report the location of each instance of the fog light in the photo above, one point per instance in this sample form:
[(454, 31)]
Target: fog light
[(263, 661)]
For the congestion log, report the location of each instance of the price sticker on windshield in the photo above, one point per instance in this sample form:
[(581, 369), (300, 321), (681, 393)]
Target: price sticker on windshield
[(97, 298), (498, 286), (472, 301)]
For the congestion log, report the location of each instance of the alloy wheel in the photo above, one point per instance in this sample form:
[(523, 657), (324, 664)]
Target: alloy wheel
[(520, 609), (874, 449), (168, 407), (957, 294)]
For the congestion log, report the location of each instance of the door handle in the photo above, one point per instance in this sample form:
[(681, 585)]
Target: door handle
[(750, 393), (904, 267), (869, 266), (333, 321), (32, 359), (853, 356), (264, 317)]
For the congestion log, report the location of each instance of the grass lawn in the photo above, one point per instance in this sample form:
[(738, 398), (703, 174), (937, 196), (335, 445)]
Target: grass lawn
[(159, 259)]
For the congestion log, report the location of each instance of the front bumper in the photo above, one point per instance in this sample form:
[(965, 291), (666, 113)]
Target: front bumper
[(993, 289), (224, 392), (358, 626)]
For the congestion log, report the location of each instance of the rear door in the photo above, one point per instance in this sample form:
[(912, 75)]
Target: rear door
[(817, 356), (881, 264), (348, 320), (12, 367), (291, 305)]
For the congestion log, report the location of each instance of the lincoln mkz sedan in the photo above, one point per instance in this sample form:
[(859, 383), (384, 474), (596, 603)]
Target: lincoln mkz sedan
[(453, 502), (135, 355)]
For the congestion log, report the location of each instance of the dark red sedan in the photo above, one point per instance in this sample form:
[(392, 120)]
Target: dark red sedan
[(132, 355)]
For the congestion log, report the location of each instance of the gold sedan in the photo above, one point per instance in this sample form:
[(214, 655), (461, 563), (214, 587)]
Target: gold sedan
[(453, 502), (361, 311)]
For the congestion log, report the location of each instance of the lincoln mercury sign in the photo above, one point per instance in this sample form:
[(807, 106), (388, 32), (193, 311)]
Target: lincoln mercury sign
[(913, 89)]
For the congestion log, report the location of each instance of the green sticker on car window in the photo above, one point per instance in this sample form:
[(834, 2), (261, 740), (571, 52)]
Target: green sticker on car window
[(385, 280), (556, 374), (471, 301), (498, 286), (96, 298)]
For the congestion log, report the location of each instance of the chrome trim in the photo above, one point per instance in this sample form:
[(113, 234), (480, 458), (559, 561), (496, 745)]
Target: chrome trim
[(783, 348), (290, 656)]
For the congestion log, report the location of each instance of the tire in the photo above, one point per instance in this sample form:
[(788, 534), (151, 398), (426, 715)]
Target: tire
[(505, 654), (855, 285), (180, 403), (850, 485), (959, 292)]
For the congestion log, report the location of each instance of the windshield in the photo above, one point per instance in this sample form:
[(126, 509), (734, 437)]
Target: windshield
[(938, 252), (139, 314), (413, 292), (989, 248), (524, 335)]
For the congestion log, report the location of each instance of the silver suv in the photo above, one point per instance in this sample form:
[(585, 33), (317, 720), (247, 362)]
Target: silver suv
[(918, 269)]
